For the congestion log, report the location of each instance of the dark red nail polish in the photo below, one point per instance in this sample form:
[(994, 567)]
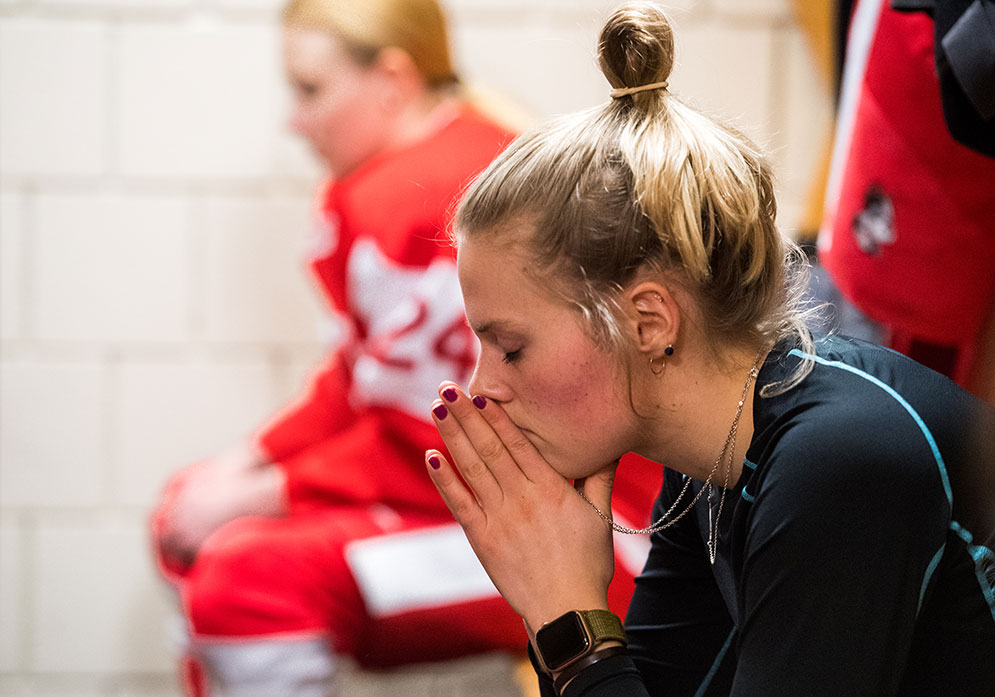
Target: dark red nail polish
[(440, 412), (435, 462), (479, 402), (449, 394)]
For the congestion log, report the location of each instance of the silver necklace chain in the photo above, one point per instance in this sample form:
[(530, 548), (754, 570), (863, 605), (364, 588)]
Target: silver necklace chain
[(727, 453)]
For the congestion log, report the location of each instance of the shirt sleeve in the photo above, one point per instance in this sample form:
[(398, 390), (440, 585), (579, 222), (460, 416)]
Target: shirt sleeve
[(322, 410), (619, 671)]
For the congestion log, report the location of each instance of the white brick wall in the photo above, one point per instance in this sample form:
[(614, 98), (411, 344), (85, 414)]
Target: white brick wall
[(153, 308), (12, 623), (255, 270), (94, 606), (733, 84), (52, 433), (110, 267), (763, 10), (11, 249), (162, 406), (805, 124), (190, 102), (53, 87)]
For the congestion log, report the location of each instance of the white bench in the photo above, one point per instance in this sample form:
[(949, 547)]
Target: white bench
[(490, 675)]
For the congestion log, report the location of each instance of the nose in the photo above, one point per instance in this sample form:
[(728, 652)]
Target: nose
[(486, 381), (476, 384), (295, 119)]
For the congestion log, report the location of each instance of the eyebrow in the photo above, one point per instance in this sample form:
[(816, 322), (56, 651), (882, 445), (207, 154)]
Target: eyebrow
[(495, 326), (485, 328)]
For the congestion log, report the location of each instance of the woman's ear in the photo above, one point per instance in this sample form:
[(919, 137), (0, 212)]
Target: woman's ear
[(655, 317), (400, 73)]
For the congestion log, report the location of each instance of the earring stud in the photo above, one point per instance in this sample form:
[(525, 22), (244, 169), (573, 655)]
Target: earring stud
[(669, 350)]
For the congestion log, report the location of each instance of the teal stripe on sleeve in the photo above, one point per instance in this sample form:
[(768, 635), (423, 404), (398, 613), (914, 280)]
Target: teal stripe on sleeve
[(981, 556), (747, 496), (703, 688), (933, 563), (927, 434), (905, 405)]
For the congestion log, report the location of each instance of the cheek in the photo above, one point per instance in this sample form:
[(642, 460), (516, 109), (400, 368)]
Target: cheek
[(582, 419), (582, 392), (329, 120), (353, 131)]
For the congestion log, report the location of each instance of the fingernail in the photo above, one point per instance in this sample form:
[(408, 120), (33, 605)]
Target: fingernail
[(434, 461), (449, 394), (440, 412), (479, 401)]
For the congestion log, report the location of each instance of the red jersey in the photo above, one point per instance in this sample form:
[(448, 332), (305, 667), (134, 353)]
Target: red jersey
[(385, 263), (382, 258)]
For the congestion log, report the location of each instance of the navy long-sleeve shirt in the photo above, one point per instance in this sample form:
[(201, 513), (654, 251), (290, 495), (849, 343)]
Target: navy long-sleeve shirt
[(854, 554)]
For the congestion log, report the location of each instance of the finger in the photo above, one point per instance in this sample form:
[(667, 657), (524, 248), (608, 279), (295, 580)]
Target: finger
[(526, 456), (468, 461), (488, 444), (457, 497)]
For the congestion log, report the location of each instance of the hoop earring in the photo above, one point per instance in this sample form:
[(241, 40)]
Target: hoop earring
[(663, 366)]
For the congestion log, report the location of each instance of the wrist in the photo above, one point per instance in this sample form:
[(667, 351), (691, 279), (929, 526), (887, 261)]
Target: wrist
[(538, 617), (573, 636), (244, 456), (270, 498)]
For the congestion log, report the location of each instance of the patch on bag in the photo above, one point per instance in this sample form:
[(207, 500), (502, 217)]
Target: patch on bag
[(874, 226)]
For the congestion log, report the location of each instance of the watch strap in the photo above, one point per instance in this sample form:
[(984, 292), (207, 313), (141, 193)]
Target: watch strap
[(575, 668), (604, 626), (575, 634)]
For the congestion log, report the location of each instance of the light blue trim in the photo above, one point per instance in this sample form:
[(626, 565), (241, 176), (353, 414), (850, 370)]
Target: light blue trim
[(749, 498), (905, 405), (930, 569), (940, 466), (979, 553), (715, 665)]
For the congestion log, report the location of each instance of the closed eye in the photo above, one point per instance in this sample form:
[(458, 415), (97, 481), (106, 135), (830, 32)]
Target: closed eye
[(304, 90), (511, 356)]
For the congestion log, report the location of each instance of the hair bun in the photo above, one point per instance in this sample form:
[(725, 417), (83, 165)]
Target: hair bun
[(636, 46)]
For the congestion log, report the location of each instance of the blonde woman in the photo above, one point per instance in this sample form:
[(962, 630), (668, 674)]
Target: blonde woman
[(826, 520)]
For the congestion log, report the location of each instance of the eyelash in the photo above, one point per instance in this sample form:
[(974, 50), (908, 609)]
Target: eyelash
[(511, 356), (306, 89)]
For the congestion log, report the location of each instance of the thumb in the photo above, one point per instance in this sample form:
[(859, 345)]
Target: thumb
[(598, 487)]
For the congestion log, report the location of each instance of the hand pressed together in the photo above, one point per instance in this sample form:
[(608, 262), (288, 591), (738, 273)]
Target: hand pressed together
[(546, 550)]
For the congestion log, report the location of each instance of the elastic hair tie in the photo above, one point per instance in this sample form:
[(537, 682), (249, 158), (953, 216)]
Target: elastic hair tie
[(623, 91)]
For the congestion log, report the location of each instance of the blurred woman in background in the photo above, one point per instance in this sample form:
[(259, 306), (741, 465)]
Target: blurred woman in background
[(321, 535)]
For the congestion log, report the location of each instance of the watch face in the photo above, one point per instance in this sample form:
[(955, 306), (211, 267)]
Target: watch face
[(562, 640)]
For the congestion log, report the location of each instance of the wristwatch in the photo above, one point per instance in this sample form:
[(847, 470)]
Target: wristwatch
[(574, 635)]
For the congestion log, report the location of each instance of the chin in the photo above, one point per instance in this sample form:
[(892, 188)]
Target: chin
[(575, 468), (567, 465)]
